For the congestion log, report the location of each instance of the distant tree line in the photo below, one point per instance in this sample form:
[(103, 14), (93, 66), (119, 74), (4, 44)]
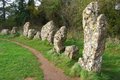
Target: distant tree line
[(63, 12)]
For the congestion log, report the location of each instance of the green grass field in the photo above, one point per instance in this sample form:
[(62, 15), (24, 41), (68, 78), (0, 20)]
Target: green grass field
[(110, 65), (111, 57), (17, 63)]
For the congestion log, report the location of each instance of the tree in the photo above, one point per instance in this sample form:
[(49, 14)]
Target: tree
[(26, 11), (32, 11), (3, 1), (52, 8), (21, 13), (4, 11)]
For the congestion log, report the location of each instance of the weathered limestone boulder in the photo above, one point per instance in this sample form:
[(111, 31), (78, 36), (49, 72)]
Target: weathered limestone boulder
[(5, 32), (14, 30), (37, 36), (48, 31), (71, 51), (31, 33), (59, 39), (94, 26), (26, 28)]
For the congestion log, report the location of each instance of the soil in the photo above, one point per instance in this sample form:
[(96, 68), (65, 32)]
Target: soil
[(51, 72)]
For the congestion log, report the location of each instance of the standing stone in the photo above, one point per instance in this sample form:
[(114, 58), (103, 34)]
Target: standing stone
[(37, 36), (14, 30), (26, 28), (31, 33), (48, 31), (5, 32), (59, 39), (71, 51), (94, 26)]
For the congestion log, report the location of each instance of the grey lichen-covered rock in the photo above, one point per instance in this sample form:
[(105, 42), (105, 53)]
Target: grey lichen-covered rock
[(48, 31), (5, 32), (71, 51), (31, 33), (26, 28), (59, 39), (94, 26), (14, 30), (37, 36)]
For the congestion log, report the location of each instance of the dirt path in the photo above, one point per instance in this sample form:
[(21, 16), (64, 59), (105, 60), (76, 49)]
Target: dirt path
[(49, 70)]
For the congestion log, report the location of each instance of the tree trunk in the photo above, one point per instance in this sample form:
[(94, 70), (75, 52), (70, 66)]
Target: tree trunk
[(4, 12)]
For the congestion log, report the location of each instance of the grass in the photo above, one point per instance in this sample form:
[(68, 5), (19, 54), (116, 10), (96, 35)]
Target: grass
[(111, 61), (110, 66), (76, 70), (17, 63), (45, 48), (85, 75)]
